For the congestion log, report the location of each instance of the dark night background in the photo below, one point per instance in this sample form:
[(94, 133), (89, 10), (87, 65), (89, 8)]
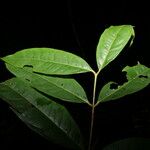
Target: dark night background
[(76, 27)]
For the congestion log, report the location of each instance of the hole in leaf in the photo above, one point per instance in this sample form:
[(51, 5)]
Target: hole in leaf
[(27, 66), (113, 86), (142, 76), (28, 80), (124, 77)]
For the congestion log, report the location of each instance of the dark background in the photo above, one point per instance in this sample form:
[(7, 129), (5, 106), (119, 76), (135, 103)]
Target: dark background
[(76, 27)]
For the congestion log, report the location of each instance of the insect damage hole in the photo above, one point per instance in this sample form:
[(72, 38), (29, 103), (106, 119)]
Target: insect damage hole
[(113, 86), (28, 80), (142, 76), (27, 66)]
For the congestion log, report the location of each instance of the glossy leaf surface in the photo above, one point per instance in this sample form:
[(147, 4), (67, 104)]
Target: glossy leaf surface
[(111, 43), (49, 61), (66, 89), (46, 117)]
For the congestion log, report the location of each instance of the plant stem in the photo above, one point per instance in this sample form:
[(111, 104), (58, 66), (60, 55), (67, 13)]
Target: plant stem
[(92, 113)]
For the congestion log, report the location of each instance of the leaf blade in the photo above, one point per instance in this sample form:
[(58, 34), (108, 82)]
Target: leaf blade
[(138, 78), (66, 89), (49, 61), (111, 43), (134, 143), (47, 115)]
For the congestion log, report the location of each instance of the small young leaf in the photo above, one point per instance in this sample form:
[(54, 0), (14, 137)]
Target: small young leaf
[(46, 117), (66, 89), (111, 43), (138, 77), (49, 61)]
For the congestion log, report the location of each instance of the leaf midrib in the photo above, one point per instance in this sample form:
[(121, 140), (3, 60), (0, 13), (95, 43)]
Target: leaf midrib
[(110, 48), (66, 90), (62, 88), (52, 83), (79, 67)]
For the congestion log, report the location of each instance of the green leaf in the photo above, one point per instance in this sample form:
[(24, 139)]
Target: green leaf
[(49, 61), (111, 43), (130, 144), (66, 89), (46, 117), (138, 77)]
